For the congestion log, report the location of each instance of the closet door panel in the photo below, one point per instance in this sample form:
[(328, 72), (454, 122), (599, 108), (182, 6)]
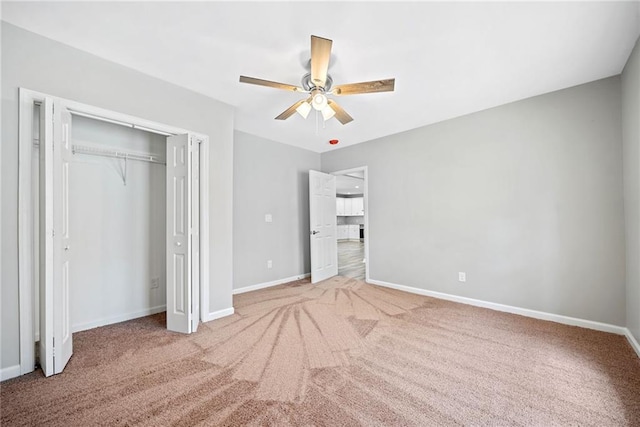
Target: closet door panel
[(179, 249), (195, 234), (56, 344), (62, 247), (46, 237)]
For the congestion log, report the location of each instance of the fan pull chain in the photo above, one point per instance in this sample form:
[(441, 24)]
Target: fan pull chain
[(324, 123)]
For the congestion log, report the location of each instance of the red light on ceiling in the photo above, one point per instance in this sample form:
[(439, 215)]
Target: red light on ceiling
[(333, 141)]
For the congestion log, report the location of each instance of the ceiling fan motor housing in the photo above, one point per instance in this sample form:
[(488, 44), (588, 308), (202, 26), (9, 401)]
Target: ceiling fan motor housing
[(308, 85)]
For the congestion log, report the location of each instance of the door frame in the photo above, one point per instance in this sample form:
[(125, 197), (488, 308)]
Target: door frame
[(26, 215), (367, 236)]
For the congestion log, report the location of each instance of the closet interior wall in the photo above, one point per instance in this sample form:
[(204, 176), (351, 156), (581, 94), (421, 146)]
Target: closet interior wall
[(117, 212)]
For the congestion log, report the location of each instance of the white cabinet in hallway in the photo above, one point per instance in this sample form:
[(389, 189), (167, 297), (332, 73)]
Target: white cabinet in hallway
[(357, 206), (349, 232), (340, 206), (349, 206), (354, 232), (343, 232)]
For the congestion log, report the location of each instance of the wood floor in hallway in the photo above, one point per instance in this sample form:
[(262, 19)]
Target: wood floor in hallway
[(350, 259)]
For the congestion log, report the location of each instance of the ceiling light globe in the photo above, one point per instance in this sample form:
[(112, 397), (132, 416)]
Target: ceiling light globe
[(304, 109), (327, 112), (319, 101)]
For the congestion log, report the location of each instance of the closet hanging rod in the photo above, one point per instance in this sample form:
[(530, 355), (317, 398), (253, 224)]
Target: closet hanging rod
[(119, 154), (121, 123)]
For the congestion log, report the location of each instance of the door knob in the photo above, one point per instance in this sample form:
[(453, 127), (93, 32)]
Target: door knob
[(66, 248), (314, 232), (178, 244)]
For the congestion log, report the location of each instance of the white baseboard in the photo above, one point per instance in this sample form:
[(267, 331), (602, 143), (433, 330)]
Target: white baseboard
[(632, 341), (117, 319), (269, 284), (573, 321), (9, 372), (218, 314)]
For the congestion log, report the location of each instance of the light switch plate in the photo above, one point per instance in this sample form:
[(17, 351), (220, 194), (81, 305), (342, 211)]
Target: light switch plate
[(268, 218)]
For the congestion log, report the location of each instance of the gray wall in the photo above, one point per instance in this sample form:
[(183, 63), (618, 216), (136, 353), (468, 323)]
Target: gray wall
[(270, 178), (631, 150), (526, 198), (37, 63), (117, 232)]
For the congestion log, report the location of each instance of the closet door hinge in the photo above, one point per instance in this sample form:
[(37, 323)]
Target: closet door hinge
[(53, 233)]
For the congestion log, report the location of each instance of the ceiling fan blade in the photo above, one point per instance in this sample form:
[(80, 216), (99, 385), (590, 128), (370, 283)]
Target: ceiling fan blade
[(291, 110), (342, 116), (320, 56), (365, 87), (269, 83)]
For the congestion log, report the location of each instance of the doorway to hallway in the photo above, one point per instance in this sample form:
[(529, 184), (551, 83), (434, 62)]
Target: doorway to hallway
[(352, 222)]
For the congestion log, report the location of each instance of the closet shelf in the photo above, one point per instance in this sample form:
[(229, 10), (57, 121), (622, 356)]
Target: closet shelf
[(119, 154)]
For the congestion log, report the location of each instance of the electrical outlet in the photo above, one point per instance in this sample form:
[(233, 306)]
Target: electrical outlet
[(155, 283), (462, 277), (269, 264)]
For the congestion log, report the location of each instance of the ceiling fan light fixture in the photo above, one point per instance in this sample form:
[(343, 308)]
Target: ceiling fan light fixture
[(319, 101), (327, 113), (304, 109), (318, 83)]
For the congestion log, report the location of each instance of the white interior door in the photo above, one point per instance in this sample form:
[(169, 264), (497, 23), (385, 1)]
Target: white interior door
[(56, 340), (322, 220), (180, 222)]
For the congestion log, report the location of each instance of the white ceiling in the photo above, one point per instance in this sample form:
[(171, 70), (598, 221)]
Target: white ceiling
[(349, 185), (449, 58)]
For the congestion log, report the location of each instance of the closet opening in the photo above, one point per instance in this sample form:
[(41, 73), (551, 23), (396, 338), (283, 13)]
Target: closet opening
[(113, 225), (116, 212), (117, 216)]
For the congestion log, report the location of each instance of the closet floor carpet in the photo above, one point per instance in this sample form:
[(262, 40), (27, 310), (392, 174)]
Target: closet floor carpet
[(342, 352)]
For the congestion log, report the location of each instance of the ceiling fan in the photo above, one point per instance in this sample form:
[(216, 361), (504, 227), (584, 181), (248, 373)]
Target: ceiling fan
[(318, 84)]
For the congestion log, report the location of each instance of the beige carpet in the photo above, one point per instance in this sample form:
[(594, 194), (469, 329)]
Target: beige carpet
[(339, 353)]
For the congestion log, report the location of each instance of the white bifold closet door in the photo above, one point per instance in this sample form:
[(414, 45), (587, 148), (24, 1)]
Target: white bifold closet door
[(183, 233), (56, 345)]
